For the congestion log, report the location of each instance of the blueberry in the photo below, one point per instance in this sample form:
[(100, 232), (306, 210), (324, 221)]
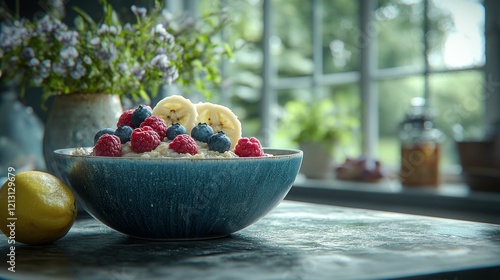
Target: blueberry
[(102, 132), (139, 115), (124, 132), (174, 130), (202, 132), (219, 142)]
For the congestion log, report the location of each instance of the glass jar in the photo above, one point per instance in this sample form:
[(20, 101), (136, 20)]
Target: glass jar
[(420, 147)]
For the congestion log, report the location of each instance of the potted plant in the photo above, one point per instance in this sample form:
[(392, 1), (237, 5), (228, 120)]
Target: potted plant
[(316, 127), (89, 67)]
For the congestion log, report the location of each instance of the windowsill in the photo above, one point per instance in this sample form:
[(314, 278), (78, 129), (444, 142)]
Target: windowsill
[(449, 200)]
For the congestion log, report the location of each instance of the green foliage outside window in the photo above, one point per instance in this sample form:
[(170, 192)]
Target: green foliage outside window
[(397, 31)]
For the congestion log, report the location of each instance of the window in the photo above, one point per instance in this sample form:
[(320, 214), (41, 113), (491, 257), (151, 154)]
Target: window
[(438, 54), (371, 57)]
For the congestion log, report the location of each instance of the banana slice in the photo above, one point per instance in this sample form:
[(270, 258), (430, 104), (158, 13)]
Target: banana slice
[(220, 118), (177, 109)]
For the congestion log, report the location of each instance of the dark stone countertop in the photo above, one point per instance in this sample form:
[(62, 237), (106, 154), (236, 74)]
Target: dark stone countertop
[(455, 201), (295, 241)]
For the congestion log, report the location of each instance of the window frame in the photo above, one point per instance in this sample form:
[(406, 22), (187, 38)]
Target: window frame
[(368, 74)]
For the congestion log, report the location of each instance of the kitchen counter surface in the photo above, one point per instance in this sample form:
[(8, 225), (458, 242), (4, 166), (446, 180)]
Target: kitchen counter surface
[(296, 240), (454, 201)]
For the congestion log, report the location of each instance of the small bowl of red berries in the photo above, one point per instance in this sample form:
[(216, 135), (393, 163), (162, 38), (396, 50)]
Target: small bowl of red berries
[(179, 171)]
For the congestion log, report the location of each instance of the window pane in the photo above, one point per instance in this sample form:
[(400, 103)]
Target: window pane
[(340, 28), (242, 79), (394, 99), (291, 43), (282, 136), (458, 99), (346, 116), (398, 28), (456, 39), (348, 103)]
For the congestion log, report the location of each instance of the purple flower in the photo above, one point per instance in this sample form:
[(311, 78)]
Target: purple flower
[(44, 69), (68, 37), (45, 25), (140, 11), (79, 71), (34, 62), (162, 34), (113, 30), (69, 53), (160, 51), (129, 27), (48, 24), (87, 60), (37, 80), (123, 67), (28, 53), (159, 29), (168, 78), (12, 37), (137, 71), (59, 69), (96, 41), (107, 53), (103, 29), (69, 62), (160, 62), (57, 6)]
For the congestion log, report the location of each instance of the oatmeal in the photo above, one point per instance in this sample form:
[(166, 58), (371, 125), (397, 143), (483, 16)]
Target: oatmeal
[(175, 128)]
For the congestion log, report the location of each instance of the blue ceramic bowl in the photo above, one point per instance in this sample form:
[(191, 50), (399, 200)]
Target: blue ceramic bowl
[(179, 198)]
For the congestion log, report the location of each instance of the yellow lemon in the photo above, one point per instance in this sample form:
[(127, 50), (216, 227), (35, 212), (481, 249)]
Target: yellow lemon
[(36, 208)]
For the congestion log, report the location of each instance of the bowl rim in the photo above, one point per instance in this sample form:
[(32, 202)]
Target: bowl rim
[(66, 152)]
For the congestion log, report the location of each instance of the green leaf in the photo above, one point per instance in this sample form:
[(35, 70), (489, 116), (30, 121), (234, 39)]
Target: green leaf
[(144, 95), (85, 16), (229, 52), (197, 64)]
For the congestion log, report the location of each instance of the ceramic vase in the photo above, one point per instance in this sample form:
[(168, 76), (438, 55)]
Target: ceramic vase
[(74, 119)]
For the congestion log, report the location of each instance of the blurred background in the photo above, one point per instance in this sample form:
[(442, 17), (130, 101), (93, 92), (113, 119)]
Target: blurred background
[(369, 57)]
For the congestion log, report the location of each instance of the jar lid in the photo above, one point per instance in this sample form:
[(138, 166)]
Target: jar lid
[(418, 112)]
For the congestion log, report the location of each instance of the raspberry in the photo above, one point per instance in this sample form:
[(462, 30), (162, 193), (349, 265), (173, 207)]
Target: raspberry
[(125, 118), (102, 132), (140, 114), (144, 139), (108, 145), (184, 144), (249, 147), (156, 123)]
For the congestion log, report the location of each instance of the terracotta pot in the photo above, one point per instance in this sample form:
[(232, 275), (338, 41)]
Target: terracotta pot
[(74, 119), (480, 162)]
